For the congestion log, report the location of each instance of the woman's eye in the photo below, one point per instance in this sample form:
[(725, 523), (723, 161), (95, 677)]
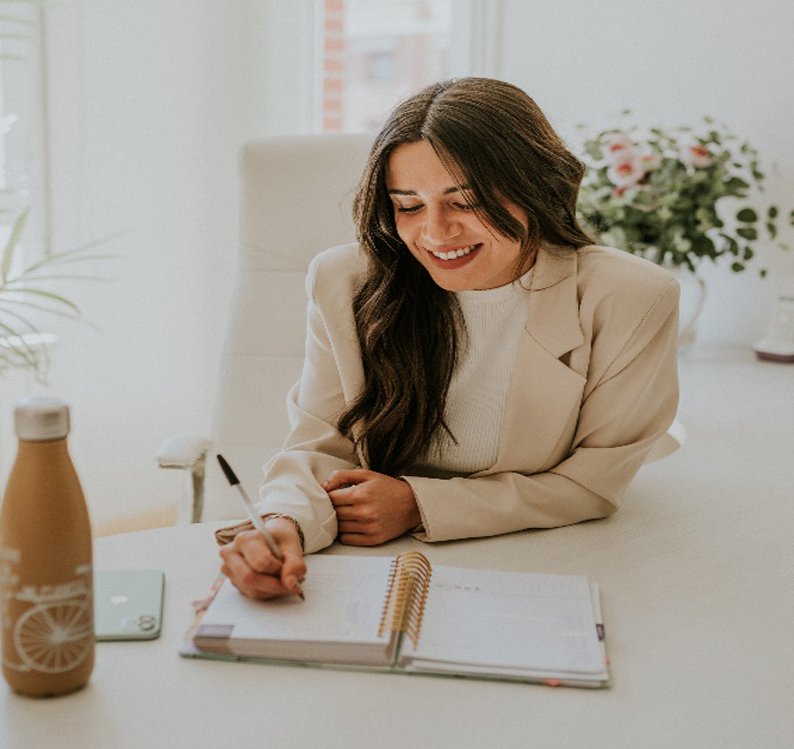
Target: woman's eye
[(464, 206), (408, 209)]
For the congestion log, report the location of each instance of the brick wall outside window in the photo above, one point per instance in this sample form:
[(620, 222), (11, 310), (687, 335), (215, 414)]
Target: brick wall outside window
[(376, 53)]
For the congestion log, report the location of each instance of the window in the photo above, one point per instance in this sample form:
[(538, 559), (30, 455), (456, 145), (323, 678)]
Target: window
[(21, 137), (375, 52)]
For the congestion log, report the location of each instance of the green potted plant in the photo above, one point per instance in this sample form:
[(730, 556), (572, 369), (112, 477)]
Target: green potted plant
[(676, 197), (658, 195), (26, 294)]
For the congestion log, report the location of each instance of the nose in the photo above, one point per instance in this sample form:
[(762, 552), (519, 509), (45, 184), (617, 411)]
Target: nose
[(440, 226)]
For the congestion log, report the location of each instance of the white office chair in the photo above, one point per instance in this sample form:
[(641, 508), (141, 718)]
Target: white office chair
[(296, 201)]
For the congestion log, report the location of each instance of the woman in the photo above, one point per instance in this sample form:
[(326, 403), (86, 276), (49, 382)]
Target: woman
[(474, 365)]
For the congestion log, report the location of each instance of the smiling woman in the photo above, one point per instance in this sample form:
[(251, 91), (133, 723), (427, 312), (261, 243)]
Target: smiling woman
[(474, 364), (439, 226)]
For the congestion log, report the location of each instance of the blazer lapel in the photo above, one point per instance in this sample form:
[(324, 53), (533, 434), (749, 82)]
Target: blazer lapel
[(544, 394)]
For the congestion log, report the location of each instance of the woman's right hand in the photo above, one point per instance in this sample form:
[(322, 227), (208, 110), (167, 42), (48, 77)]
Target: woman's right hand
[(255, 571)]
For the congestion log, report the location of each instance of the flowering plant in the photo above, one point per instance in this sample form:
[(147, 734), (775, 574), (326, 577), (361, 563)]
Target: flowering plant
[(657, 195)]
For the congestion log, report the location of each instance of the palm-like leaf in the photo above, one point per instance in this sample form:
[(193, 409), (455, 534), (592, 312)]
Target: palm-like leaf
[(22, 292)]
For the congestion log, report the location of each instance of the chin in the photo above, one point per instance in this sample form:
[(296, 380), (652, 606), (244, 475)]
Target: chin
[(453, 284)]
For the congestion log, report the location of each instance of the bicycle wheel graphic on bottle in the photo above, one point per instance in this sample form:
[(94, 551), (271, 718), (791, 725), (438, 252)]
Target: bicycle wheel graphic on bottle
[(54, 637)]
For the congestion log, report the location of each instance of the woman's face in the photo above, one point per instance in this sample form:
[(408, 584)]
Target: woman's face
[(439, 227)]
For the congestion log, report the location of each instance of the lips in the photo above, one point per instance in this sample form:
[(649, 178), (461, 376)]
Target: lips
[(458, 261)]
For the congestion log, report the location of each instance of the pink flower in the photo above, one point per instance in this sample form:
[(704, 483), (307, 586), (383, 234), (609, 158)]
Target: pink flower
[(651, 161), (626, 173), (697, 156), (618, 148)]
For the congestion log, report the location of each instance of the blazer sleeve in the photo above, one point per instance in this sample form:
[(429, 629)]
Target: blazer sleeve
[(314, 447), (626, 411)]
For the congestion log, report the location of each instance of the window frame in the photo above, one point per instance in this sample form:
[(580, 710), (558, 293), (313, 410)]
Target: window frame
[(23, 87), (477, 23)]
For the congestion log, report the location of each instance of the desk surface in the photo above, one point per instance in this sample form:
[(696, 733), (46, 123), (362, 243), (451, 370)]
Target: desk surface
[(696, 575)]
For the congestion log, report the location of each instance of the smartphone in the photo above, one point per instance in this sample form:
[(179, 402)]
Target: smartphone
[(128, 604)]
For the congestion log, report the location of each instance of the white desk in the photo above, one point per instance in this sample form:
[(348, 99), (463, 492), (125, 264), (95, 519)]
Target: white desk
[(696, 572)]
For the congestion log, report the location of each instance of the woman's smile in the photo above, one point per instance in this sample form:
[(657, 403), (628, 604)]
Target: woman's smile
[(455, 257), (437, 221)]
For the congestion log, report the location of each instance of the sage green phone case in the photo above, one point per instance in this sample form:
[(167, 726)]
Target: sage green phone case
[(128, 604)]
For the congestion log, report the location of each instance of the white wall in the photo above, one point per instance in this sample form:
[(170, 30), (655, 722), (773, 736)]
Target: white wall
[(150, 101), (149, 104), (672, 62)]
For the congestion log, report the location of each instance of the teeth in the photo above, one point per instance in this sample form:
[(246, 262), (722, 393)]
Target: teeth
[(453, 254)]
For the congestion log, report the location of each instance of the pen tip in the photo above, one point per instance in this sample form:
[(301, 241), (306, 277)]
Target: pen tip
[(227, 471)]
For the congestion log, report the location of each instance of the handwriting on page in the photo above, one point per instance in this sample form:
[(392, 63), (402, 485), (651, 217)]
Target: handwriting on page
[(343, 603)]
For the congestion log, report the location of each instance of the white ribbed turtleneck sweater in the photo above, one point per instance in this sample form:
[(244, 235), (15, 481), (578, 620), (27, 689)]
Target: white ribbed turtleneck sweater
[(494, 319)]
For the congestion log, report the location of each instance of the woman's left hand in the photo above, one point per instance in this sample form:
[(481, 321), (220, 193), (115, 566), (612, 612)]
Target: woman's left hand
[(371, 508)]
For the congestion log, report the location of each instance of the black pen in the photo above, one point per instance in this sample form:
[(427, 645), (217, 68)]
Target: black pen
[(253, 515)]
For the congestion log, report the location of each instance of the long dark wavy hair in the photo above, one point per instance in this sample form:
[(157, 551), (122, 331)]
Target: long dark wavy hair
[(492, 137)]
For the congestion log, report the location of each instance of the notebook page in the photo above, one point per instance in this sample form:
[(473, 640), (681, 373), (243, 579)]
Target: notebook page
[(512, 621), (344, 603)]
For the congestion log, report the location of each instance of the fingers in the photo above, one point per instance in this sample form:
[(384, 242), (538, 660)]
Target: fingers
[(359, 513), (342, 497), (338, 479), (248, 581), (256, 553), (361, 539), (254, 570), (293, 572)]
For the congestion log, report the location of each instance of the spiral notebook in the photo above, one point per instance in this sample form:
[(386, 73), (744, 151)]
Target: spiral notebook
[(405, 615)]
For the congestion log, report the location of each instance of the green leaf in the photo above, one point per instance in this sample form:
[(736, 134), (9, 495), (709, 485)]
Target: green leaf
[(737, 267), (593, 150), (13, 36), (762, 273), (772, 212), (772, 229), (703, 246), (7, 306), (747, 233), (48, 295), (20, 21), (11, 244), (28, 277), (736, 186), (748, 254), (19, 347), (75, 254), (748, 215), (733, 245)]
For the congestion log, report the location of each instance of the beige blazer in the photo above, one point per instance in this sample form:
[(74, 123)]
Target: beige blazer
[(594, 385)]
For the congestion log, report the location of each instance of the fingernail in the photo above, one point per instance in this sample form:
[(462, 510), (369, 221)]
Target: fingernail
[(291, 582)]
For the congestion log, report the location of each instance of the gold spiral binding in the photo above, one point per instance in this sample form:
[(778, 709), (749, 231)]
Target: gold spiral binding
[(404, 607)]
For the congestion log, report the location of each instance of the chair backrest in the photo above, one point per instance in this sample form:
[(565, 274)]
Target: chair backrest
[(296, 201)]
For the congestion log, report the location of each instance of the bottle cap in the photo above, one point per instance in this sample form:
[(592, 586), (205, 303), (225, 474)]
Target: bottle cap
[(40, 419)]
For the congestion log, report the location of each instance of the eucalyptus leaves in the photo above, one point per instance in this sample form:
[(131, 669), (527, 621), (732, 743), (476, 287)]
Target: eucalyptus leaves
[(657, 195)]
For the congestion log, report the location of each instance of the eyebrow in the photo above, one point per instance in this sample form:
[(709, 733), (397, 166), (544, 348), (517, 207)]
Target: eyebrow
[(446, 192)]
